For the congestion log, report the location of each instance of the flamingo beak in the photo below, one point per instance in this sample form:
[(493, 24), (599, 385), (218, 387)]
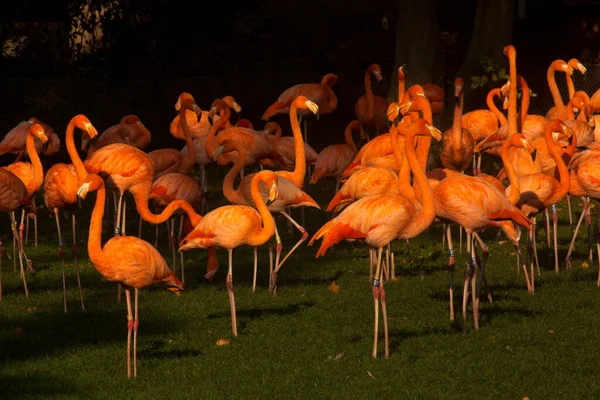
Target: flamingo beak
[(197, 110), (237, 107), (435, 132), (217, 153), (581, 68), (273, 194), (313, 107), (90, 129), (178, 105), (378, 76), (83, 190)]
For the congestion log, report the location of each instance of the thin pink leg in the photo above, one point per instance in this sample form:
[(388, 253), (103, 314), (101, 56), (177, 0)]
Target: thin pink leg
[(136, 323), (376, 287), (129, 329), (230, 292)]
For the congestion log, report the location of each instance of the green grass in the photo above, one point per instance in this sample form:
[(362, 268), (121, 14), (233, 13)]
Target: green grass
[(306, 342)]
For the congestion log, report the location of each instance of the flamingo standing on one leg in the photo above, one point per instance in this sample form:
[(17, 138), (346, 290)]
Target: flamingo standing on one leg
[(60, 191), (127, 260), (381, 219), (232, 226)]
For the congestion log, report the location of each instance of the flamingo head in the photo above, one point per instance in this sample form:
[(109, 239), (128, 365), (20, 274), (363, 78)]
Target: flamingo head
[(304, 103), (34, 120), (37, 130), (231, 103), (435, 132), (82, 122), (329, 80), (376, 71), (216, 107), (181, 98), (131, 119), (576, 65), (393, 112), (459, 85), (510, 51), (91, 183), (190, 104), (401, 75)]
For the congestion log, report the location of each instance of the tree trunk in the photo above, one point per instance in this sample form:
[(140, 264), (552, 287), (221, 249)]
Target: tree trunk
[(492, 31), (418, 45)]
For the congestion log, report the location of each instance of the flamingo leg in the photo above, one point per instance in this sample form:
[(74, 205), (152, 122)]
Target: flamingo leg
[(479, 165), (443, 236), (547, 219), (20, 251), (391, 262), (179, 238), (124, 211), (270, 246), (118, 227), (466, 292), (474, 165), (484, 256), (531, 282), (572, 245), (155, 234), (376, 286), (21, 248), (171, 223), (384, 315), (588, 222), (230, 292), (450, 271), (14, 251), (129, 329), (460, 239), (140, 228), (255, 251), (278, 247), (75, 260), (555, 234), (474, 289), (371, 255), (136, 323), (570, 213), (302, 239), (61, 253), (596, 236), (35, 228), (535, 254)]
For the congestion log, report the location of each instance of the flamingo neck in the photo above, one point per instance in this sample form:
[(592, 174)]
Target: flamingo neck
[(38, 171), (428, 210), (230, 193), (524, 101), (512, 95), (297, 176), (140, 195), (262, 234), (404, 187), (558, 102), (515, 192), (570, 113), (456, 124), (190, 158), (209, 145), (370, 99), (331, 101), (350, 140), (563, 172), (401, 88), (570, 86), (97, 256), (73, 154), (492, 106)]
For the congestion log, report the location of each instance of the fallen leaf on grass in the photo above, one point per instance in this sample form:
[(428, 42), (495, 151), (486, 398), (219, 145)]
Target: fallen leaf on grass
[(551, 331), (210, 332), (223, 342), (512, 254), (585, 265), (525, 398), (337, 357), (334, 288), (31, 309), (370, 374)]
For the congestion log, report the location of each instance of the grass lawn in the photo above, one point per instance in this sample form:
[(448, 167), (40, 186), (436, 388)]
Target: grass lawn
[(306, 342)]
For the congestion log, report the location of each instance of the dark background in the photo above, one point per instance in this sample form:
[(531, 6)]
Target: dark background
[(253, 50)]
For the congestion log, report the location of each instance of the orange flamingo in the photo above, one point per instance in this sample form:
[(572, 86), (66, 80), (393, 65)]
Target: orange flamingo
[(232, 226), (31, 175), (380, 219), (435, 96), (286, 147), (126, 260), (168, 161), (171, 187), (539, 191), (575, 65), (198, 128), (60, 192), (558, 65), (14, 140), (129, 169), (371, 109), (129, 130), (13, 195), (334, 159), (457, 150)]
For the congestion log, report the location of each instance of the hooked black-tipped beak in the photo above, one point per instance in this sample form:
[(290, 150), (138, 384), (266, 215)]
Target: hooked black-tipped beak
[(46, 145), (269, 202)]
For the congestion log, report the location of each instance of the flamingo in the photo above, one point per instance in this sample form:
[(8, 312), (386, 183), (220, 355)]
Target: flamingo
[(558, 65), (129, 130), (31, 176), (126, 260), (60, 192), (371, 109), (380, 219), (232, 226), (129, 169), (334, 159), (435, 96), (286, 147), (457, 150), (575, 65), (14, 140), (168, 161), (198, 128), (171, 187), (13, 195), (289, 196)]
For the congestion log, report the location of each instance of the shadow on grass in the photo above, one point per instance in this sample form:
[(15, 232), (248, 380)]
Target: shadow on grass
[(34, 385), (161, 349), (259, 312)]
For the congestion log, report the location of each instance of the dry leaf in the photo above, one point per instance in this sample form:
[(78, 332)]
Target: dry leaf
[(339, 356), (585, 265), (210, 332), (551, 331), (334, 288), (512, 254), (223, 342), (525, 398), (31, 309), (370, 374)]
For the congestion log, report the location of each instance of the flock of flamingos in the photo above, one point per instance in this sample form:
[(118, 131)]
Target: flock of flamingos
[(383, 190)]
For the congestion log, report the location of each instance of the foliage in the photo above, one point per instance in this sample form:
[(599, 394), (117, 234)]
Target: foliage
[(492, 77)]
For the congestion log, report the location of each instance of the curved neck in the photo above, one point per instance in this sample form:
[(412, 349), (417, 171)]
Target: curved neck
[(404, 186), (456, 124), (570, 86), (331, 101), (277, 131), (492, 106), (350, 139), (524, 101), (570, 113), (515, 192), (262, 234), (401, 88), (209, 145), (190, 157), (558, 102), (563, 172), (72, 150), (424, 142), (369, 92), (140, 195), (96, 254), (428, 210), (297, 176), (230, 193), (512, 95), (38, 172), (570, 150)]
